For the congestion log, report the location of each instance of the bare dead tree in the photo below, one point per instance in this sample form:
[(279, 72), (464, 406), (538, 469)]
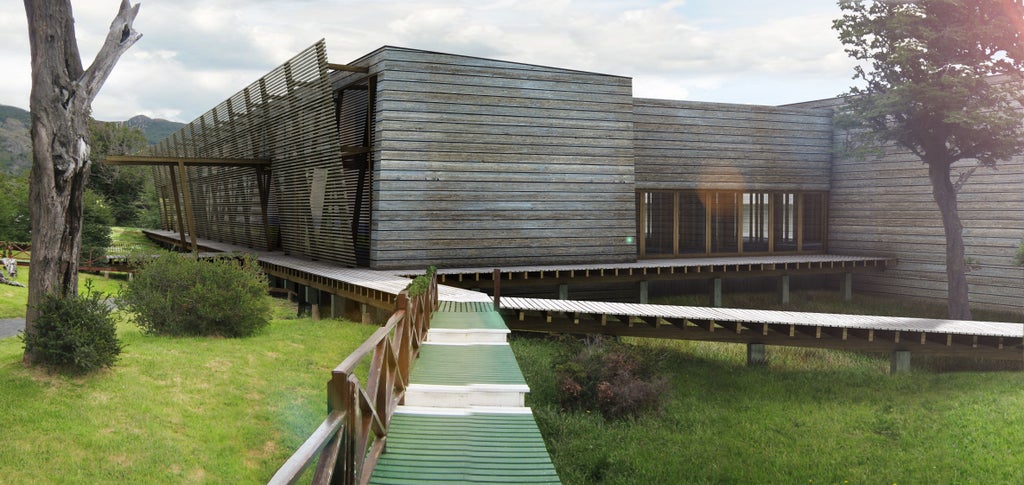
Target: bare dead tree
[(61, 102)]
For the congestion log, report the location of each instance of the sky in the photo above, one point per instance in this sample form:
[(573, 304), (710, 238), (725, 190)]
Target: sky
[(196, 53)]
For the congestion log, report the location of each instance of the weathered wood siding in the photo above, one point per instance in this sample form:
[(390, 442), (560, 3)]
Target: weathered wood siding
[(883, 205), (480, 162), (693, 145)]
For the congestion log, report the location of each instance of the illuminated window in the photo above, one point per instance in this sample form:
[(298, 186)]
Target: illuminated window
[(705, 223)]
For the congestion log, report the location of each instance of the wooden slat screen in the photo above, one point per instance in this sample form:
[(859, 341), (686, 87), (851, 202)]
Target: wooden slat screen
[(287, 117)]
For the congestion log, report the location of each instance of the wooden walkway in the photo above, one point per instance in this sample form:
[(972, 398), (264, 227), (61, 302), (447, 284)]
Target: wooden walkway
[(375, 288), (993, 340), (654, 269), (713, 269), (464, 419)]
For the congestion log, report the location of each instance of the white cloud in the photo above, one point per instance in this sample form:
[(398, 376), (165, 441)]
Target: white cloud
[(196, 53)]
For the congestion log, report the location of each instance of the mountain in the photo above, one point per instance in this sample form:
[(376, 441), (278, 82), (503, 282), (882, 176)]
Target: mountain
[(155, 129), (16, 144)]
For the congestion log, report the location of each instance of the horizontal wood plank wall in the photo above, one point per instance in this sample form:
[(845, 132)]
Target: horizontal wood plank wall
[(694, 145), (487, 163), (883, 205)]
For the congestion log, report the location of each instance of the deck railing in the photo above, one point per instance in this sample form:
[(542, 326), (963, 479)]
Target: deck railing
[(352, 437)]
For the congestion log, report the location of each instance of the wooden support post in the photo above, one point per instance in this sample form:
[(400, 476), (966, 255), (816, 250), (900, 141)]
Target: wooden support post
[(313, 297), (716, 292), (846, 286), (364, 313), (496, 279), (300, 298), (644, 292), (784, 289), (336, 306), (899, 362), (563, 292), (757, 355), (189, 215)]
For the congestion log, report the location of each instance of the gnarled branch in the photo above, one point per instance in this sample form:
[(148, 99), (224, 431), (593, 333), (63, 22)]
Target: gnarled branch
[(122, 35)]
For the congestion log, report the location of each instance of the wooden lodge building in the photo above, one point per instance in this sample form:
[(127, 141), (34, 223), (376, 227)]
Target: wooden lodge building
[(404, 158)]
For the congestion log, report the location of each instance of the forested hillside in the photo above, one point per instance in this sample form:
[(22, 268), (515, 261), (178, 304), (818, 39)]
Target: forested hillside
[(16, 145)]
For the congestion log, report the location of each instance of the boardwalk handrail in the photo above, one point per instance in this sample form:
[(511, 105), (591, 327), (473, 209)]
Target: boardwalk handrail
[(351, 439)]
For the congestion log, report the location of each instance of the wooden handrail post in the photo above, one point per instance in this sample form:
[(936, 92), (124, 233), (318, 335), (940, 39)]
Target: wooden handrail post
[(496, 278)]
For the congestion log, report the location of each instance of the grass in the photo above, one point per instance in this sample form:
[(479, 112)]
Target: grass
[(810, 416), (131, 235), (172, 410), (13, 298)]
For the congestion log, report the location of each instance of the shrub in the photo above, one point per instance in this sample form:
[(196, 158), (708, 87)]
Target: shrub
[(178, 295), (609, 377), (420, 284), (75, 333)]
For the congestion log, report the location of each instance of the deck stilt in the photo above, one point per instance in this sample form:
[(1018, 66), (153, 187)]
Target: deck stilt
[(784, 289), (846, 286), (899, 362), (716, 292), (757, 355)]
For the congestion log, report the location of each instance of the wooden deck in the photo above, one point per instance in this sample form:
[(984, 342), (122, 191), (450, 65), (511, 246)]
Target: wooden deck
[(464, 419), (993, 340), (375, 288), (656, 269)]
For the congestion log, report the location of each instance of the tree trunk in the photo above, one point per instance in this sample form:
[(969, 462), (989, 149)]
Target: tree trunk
[(958, 297), (60, 103)]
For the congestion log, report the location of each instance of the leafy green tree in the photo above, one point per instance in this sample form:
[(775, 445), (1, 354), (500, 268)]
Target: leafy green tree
[(943, 79), (97, 218), (124, 188), (14, 220)]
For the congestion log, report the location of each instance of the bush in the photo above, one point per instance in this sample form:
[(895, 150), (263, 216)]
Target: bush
[(609, 377), (180, 295), (75, 333)]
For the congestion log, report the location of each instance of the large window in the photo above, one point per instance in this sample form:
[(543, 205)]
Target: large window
[(703, 223)]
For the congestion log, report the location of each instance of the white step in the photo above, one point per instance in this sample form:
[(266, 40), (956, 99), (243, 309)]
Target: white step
[(473, 336), (432, 395)]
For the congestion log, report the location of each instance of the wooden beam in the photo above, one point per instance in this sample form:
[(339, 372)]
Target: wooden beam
[(186, 161), (347, 68)]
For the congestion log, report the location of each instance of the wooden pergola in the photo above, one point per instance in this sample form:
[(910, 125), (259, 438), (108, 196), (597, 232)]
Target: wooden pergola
[(261, 166)]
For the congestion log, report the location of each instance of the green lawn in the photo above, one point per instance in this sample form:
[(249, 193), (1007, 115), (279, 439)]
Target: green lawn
[(810, 416), (173, 410), (13, 298)]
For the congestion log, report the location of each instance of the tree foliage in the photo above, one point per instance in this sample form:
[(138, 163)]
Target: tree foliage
[(943, 79), (75, 333), (123, 187), (14, 220), (177, 294)]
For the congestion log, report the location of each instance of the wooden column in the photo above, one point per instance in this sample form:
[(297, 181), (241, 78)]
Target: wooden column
[(846, 286), (716, 292), (644, 291), (757, 355), (563, 292), (313, 297), (177, 207), (185, 192), (784, 289), (899, 362)]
